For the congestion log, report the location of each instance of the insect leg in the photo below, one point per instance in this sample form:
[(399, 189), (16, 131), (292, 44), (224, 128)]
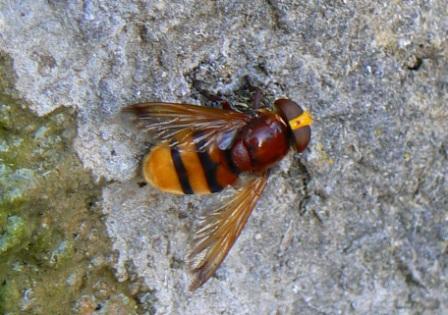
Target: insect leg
[(215, 101), (257, 97)]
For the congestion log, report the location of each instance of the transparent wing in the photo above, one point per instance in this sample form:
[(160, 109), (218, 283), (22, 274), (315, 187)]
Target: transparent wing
[(218, 231), (183, 123)]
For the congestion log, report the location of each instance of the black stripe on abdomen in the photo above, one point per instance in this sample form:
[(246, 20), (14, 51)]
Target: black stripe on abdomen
[(208, 165), (230, 165), (209, 168), (181, 171)]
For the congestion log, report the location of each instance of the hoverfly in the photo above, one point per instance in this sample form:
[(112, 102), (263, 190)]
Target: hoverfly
[(202, 150)]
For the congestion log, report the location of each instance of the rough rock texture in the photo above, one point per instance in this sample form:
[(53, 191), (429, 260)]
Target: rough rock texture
[(358, 224)]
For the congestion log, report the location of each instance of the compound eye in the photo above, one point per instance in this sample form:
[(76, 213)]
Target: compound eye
[(298, 122), (302, 137)]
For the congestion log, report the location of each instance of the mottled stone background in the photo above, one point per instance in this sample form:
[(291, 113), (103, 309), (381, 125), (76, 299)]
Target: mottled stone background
[(358, 224)]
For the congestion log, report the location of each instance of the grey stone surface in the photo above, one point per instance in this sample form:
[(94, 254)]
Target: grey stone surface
[(358, 224)]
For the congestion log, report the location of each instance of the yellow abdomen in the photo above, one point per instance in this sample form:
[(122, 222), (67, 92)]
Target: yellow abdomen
[(182, 170)]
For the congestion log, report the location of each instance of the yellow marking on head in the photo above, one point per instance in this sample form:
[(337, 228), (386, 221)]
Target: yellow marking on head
[(303, 120)]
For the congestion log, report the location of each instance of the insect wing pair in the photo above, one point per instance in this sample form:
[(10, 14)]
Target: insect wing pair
[(203, 150)]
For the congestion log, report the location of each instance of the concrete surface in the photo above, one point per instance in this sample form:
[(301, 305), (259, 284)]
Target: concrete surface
[(358, 224)]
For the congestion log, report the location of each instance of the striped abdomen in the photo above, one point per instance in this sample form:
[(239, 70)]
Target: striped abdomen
[(181, 169)]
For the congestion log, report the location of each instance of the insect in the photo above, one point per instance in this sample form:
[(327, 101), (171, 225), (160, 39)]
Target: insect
[(202, 150)]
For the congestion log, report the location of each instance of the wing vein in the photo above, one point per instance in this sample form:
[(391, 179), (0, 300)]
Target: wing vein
[(218, 231), (177, 123)]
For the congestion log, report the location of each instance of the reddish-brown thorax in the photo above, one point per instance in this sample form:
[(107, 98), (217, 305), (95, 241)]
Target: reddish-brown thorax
[(261, 143)]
